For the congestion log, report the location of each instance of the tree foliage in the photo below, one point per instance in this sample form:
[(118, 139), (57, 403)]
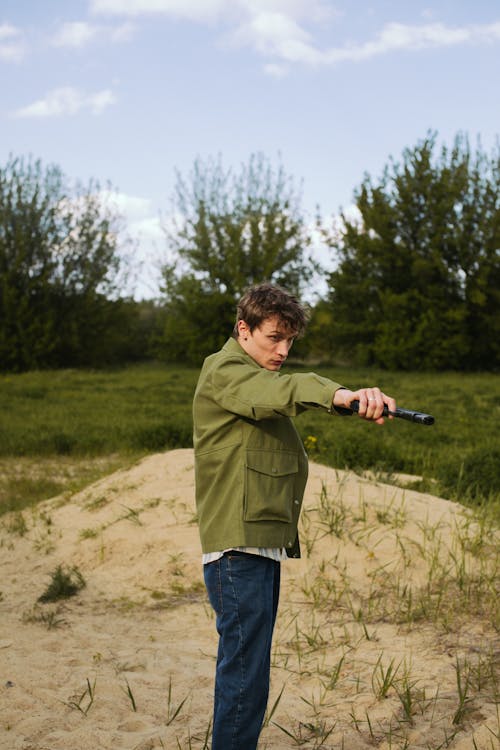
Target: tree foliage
[(417, 285), (232, 230), (59, 268)]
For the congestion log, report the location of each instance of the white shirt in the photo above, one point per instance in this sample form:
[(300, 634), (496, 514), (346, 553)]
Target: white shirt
[(277, 554)]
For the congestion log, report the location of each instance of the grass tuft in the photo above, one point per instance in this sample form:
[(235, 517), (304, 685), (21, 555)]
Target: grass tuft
[(64, 583)]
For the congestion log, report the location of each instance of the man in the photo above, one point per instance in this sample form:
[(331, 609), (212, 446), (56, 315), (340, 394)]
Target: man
[(251, 472)]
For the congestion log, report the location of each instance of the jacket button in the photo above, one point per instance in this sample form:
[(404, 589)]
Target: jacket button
[(289, 544), (274, 470)]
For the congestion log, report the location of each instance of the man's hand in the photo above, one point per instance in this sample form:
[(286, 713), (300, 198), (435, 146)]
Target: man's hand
[(371, 402)]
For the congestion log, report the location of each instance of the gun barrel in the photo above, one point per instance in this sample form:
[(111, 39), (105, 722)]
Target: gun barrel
[(409, 414)]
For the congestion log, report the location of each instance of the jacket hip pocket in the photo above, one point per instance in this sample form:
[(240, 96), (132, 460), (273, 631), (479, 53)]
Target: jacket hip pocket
[(270, 480)]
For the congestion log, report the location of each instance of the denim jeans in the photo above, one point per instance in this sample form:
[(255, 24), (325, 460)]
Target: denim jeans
[(244, 591)]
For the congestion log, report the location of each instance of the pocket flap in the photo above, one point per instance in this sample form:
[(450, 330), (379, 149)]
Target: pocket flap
[(273, 463)]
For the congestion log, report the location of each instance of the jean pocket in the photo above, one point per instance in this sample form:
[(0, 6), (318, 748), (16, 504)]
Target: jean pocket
[(213, 584), (270, 480)]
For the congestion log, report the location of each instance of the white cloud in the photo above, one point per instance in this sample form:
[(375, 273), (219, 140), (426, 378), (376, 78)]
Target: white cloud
[(132, 206), (277, 35), (122, 33), (144, 227), (282, 38), (395, 36), (312, 10), (276, 70), (143, 223), (487, 32), (99, 101), (75, 34), (7, 31), (12, 48), (232, 11), (78, 34), (67, 101), (194, 10), (280, 30)]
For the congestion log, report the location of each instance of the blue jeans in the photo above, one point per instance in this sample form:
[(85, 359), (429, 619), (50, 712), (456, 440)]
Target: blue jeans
[(244, 591)]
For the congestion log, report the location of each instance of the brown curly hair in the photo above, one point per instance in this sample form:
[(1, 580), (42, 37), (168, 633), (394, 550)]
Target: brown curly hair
[(266, 300)]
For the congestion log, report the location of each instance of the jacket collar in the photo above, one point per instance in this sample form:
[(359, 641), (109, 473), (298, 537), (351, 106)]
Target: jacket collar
[(233, 347)]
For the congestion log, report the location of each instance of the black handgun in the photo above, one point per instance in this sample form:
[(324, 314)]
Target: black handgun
[(408, 414)]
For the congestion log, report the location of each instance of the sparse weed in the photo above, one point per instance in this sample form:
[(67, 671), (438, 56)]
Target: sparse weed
[(333, 675), (331, 513), (173, 710), (308, 539), (83, 702), (457, 578), (204, 739), (272, 710), (16, 524), (51, 618), (98, 502), (328, 587), (485, 674), (392, 516), (383, 678), (131, 515), (126, 666), (413, 700), (128, 692), (463, 689), (88, 533), (65, 582), (312, 734)]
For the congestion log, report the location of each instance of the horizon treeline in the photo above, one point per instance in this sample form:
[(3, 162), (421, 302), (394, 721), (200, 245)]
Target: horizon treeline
[(416, 284)]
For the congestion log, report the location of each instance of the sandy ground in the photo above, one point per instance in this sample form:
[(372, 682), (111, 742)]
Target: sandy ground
[(128, 662)]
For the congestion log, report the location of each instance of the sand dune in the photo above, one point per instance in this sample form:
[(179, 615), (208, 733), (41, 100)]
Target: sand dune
[(110, 667)]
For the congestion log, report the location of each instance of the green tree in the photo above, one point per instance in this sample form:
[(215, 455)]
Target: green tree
[(232, 230), (417, 280), (59, 269)]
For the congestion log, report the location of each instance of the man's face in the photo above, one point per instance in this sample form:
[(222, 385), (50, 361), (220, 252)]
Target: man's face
[(269, 344)]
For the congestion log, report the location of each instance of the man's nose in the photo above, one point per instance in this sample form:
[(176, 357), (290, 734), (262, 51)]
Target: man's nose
[(283, 349)]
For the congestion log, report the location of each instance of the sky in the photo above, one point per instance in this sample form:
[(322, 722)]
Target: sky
[(126, 92)]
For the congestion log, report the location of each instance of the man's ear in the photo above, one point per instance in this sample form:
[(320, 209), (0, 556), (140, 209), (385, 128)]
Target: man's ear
[(243, 329)]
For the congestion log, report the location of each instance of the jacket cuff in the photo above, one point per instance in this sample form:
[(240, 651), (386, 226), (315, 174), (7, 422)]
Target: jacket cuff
[(340, 411)]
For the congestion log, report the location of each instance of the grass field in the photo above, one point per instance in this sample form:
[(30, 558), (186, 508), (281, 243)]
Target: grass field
[(62, 429)]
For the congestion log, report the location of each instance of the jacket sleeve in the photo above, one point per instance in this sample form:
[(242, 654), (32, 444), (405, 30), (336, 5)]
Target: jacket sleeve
[(257, 393)]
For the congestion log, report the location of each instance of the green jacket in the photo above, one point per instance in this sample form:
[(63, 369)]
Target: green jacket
[(250, 464)]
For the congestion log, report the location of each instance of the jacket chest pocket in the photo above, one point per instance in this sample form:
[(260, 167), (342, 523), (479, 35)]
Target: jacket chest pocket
[(270, 479)]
